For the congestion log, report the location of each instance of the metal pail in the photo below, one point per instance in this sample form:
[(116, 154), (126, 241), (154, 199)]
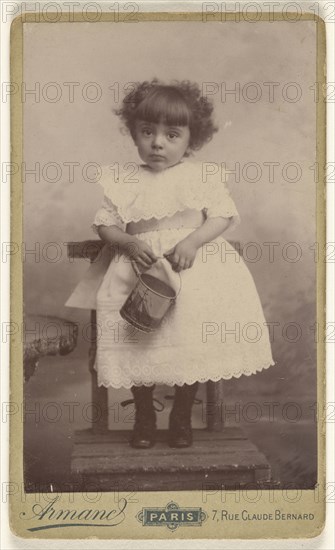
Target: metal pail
[(148, 303)]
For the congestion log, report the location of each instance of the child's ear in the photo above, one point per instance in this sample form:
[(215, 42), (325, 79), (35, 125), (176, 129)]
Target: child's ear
[(133, 135)]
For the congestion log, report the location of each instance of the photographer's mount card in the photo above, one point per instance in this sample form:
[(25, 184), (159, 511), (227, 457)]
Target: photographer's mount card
[(168, 262)]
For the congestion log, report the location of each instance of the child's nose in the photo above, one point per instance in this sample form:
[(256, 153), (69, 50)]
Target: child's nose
[(157, 141)]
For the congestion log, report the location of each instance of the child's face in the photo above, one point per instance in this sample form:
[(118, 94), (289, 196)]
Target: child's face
[(159, 145)]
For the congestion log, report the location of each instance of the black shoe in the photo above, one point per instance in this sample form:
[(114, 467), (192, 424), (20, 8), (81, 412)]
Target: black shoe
[(141, 440), (180, 436), (180, 428), (144, 433)]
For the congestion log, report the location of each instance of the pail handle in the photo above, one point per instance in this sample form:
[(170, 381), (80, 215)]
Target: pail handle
[(138, 273)]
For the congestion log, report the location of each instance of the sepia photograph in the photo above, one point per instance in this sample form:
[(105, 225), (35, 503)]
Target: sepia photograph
[(170, 247)]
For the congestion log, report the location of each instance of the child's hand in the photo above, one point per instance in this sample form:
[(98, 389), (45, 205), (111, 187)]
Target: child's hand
[(182, 255), (141, 253)]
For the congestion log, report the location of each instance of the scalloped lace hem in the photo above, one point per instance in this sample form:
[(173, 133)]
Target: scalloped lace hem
[(186, 379)]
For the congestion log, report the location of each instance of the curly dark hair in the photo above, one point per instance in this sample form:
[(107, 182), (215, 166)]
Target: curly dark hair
[(179, 103)]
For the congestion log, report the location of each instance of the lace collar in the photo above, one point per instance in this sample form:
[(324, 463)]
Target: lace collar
[(141, 193)]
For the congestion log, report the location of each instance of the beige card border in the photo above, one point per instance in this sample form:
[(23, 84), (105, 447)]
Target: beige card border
[(21, 504)]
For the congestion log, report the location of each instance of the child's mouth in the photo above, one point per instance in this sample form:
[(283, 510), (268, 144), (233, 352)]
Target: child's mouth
[(157, 157)]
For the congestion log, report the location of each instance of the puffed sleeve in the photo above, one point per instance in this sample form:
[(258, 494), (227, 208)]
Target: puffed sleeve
[(108, 215), (220, 203)]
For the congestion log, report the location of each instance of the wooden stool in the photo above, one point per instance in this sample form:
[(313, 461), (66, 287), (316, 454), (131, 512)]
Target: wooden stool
[(220, 455)]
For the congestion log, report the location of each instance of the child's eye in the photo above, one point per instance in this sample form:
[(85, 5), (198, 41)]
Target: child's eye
[(172, 135), (147, 132)]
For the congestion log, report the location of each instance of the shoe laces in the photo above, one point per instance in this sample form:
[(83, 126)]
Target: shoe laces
[(160, 407)]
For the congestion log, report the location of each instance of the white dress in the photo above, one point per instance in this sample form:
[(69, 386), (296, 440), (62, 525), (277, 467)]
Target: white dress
[(216, 329)]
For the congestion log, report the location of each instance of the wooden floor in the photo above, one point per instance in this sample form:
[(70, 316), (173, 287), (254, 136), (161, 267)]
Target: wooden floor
[(218, 459)]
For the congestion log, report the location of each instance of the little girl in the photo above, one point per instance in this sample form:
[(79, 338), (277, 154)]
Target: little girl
[(168, 219)]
